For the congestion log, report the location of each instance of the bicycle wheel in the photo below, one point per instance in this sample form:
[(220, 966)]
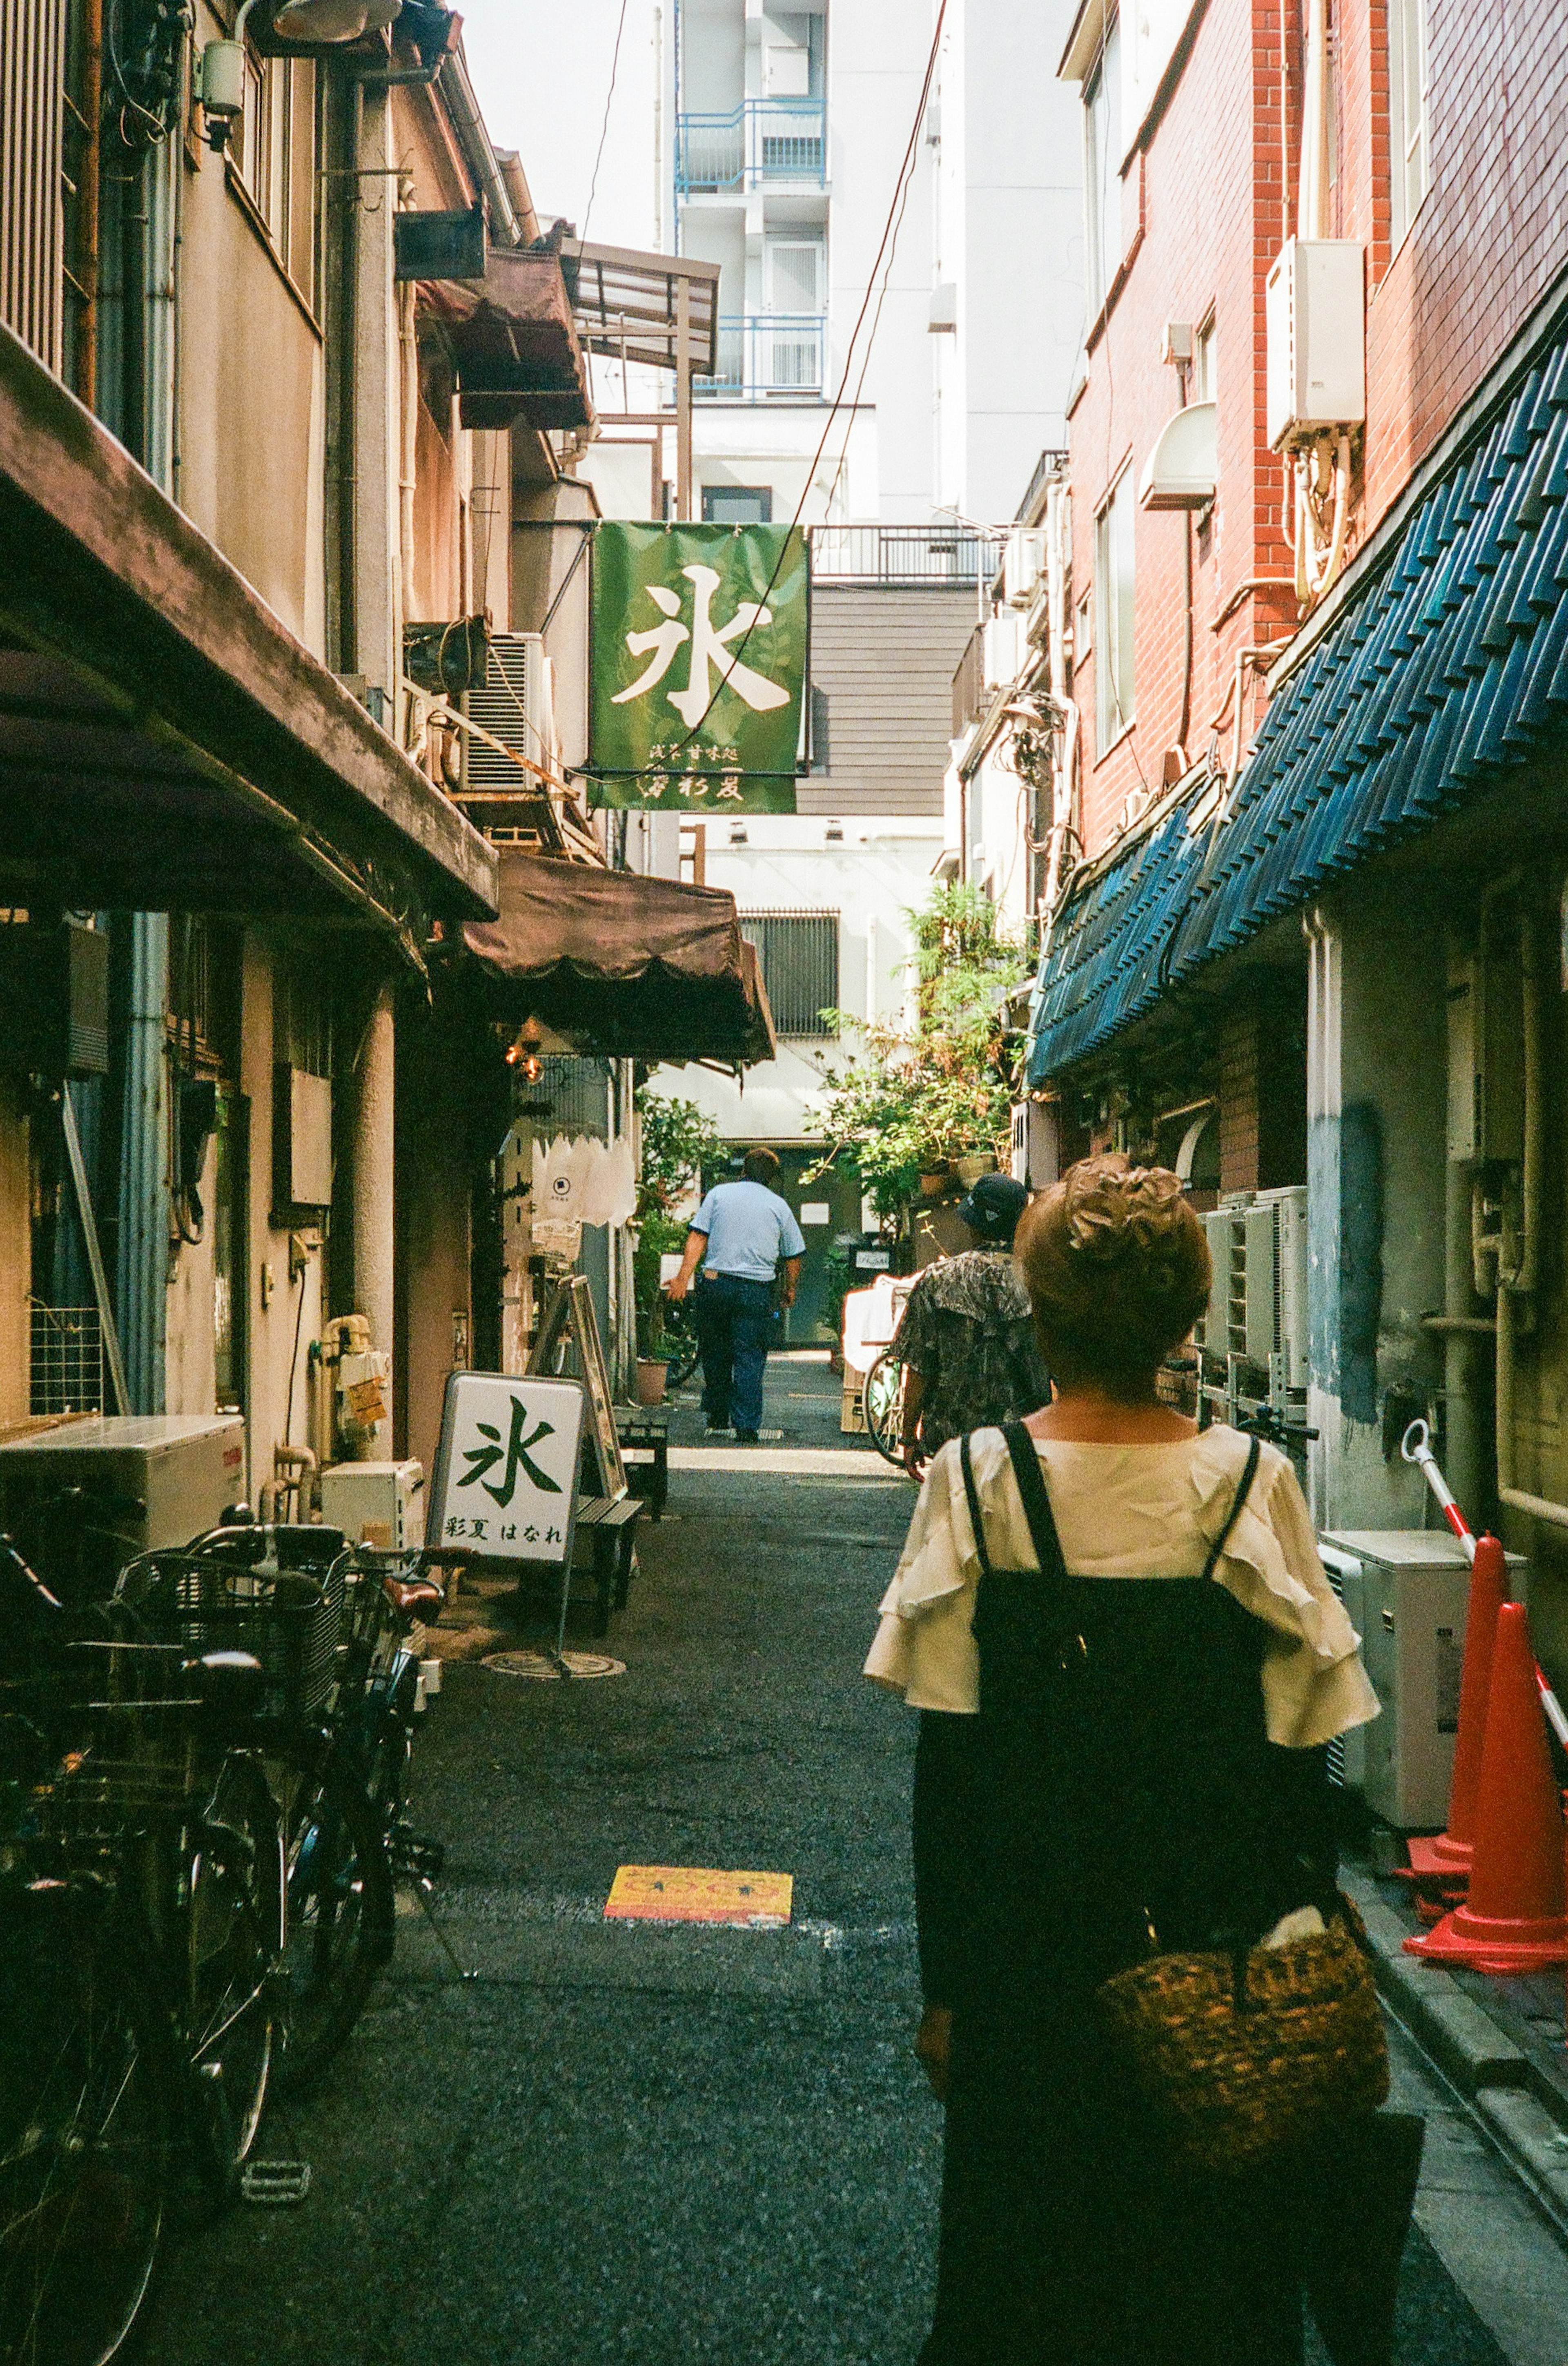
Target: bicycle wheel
[(883, 1400), (680, 1344), (234, 1919), (341, 1915), (86, 2118)]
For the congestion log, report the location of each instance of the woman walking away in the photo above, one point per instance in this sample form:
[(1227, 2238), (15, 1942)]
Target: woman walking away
[(967, 1340), (1127, 1758)]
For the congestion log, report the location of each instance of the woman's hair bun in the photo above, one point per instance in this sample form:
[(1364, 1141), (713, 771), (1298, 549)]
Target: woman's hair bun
[(1113, 1207), (1116, 1266)]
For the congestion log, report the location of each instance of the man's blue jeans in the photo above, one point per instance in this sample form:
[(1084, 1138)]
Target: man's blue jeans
[(734, 1325)]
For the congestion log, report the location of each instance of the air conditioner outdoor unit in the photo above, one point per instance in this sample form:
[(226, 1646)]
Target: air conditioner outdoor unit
[(144, 1479), (1315, 306), (1222, 1330), (1275, 1281), (1003, 648), (1407, 1592), (516, 707), (1023, 563)]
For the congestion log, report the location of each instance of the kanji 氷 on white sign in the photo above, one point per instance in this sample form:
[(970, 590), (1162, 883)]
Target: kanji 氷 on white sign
[(506, 1469)]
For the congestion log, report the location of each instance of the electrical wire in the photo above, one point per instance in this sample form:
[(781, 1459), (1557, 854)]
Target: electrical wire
[(604, 127), (890, 233)]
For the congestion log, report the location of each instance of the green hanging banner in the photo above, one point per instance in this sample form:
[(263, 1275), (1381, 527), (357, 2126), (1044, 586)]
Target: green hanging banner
[(700, 644)]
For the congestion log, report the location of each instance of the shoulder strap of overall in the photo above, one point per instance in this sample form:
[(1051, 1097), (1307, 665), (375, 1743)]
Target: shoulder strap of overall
[(1037, 1501), (976, 1521), (1248, 1474)]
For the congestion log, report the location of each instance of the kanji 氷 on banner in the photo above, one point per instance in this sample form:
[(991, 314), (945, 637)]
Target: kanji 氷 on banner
[(701, 648)]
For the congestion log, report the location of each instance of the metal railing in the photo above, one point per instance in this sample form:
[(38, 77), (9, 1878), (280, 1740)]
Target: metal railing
[(760, 142), (761, 354), (943, 556)]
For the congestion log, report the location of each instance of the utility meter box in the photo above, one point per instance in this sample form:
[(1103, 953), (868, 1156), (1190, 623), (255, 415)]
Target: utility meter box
[(1412, 1586), (377, 1504), (161, 1478), (1314, 306)]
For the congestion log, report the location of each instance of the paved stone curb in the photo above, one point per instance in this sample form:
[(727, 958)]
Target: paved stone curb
[(1522, 2112)]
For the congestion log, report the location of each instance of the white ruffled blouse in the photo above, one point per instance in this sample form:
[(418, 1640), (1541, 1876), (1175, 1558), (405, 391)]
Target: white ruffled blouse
[(1130, 1512)]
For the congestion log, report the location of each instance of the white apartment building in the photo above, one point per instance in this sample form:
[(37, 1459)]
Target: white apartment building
[(781, 131)]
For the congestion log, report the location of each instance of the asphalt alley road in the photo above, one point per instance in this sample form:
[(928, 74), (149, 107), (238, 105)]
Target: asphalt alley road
[(634, 2143)]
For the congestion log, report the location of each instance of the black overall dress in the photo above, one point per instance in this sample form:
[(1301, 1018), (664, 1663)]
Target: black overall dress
[(1117, 1779)]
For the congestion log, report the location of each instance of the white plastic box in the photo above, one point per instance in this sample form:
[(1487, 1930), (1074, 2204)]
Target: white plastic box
[(377, 1504), (1411, 1588), (1315, 305)]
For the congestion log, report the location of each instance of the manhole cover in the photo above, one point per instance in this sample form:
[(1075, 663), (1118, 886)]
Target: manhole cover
[(581, 1665)]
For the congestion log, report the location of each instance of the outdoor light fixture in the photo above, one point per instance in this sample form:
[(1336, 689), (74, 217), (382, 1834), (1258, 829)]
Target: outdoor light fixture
[(525, 1054), (221, 70)]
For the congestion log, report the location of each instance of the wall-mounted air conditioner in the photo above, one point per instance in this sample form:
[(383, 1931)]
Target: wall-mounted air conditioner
[(1314, 306)]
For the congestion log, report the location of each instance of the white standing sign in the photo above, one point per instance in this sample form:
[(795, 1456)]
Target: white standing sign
[(506, 1469)]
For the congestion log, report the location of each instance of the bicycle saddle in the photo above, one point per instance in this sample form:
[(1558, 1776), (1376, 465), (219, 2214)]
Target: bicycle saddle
[(413, 1596)]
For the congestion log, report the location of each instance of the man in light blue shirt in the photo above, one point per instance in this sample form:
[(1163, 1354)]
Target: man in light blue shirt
[(741, 1235)]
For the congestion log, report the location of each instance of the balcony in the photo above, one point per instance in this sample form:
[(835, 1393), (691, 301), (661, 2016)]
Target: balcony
[(767, 354), (902, 557), (764, 143)]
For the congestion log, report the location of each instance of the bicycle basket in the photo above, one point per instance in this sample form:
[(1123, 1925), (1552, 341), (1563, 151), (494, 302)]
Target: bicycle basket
[(289, 1620), (134, 1756)]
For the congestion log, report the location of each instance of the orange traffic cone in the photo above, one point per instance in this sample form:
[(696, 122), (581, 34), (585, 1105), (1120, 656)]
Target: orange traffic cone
[(1513, 1920), (1447, 1858)]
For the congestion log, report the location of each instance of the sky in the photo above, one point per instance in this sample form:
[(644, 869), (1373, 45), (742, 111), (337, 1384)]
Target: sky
[(540, 72)]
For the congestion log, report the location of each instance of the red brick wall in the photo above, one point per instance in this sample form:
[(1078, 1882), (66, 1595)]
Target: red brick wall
[(1209, 205), (1205, 212), (1238, 1096), (1491, 238)]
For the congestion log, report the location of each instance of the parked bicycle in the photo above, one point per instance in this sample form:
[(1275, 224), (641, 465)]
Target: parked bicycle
[(331, 1626), (141, 1903)]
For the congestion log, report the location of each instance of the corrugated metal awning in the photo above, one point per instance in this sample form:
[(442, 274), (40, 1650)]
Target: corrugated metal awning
[(1451, 667), (635, 967)]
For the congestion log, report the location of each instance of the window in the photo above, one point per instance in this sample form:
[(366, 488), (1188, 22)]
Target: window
[(275, 157), (738, 504), (1203, 387), (1408, 161), (1101, 177), (798, 952), (1114, 531)]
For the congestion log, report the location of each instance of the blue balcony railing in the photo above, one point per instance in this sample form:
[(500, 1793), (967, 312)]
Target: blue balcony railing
[(763, 142), (763, 353)]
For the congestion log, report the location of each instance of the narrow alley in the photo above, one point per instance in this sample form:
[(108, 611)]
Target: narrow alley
[(656, 2144)]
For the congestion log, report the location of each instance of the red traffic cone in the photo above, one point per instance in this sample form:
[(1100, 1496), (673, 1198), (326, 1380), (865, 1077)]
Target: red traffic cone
[(1513, 1920), (1447, 1858)]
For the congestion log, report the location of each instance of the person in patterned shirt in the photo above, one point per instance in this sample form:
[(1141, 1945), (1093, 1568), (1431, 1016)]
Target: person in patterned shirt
[(967, 1340)]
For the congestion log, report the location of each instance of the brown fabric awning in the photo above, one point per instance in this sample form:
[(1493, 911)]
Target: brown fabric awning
[(514, 341), (634, 967)]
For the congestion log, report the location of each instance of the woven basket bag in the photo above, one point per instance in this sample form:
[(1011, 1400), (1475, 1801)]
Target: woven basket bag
[(1242, 2055)]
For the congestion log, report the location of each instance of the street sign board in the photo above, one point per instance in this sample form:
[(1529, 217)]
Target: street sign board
[(505, 1483), (700, 644)]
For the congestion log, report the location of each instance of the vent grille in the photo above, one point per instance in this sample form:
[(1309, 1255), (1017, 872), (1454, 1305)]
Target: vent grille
[(798, 952), (32, 218)]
